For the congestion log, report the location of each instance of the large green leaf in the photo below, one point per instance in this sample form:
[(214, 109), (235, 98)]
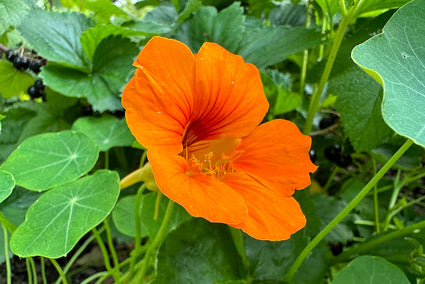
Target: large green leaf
[(56, 36), (106, 132), (63, 215), (123, 215), (257, 43), (374, 5), (359, 103), (7, 183), (12, 13), (112, 63), (370, 269), (198, 252), (12, 81), (397, 59), (51, 159)]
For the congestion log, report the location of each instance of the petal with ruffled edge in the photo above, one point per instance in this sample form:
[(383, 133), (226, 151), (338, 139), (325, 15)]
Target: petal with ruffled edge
[(271, 216), (277, 155), (229, 100), (201, 195), (159, 98)]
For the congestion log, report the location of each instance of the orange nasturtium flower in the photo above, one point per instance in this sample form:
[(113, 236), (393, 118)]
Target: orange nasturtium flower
[(198, 115)]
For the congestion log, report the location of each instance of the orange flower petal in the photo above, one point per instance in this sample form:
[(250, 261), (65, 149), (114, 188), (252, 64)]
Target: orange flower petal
[(229, 100), (271, 216), (159, 99), (276, 154), (201, 195)]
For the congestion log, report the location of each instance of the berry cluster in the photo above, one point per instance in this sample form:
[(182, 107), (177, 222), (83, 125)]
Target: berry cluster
[(22, 63), (37, 90)]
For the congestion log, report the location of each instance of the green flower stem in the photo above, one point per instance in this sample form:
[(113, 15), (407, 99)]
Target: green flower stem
[(33, 269), (301, 257), (108, 267), (6, 223), (29, 274), (353, 252), (78, 253), (305, 56), (43, 270), (107, 160), (138, 227), (330, 179), (375, 200), (156, 242), (339, 35), (59, 270), (94, 276), (6, 256), (111, 246)]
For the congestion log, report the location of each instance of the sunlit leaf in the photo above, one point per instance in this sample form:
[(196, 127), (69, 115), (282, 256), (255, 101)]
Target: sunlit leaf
[(396, 58), (61, 216), (106, 131), (13, 82), (51, 159)]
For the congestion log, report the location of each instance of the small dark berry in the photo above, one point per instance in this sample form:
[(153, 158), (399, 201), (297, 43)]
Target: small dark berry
[(333, 152), (21, 63), (38, 84), (33, 92), (86, 111), (344, 161), (313, 157), (11, 55), (35, 66)]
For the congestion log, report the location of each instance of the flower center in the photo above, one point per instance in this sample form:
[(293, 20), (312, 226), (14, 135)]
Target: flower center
[(212, 158)]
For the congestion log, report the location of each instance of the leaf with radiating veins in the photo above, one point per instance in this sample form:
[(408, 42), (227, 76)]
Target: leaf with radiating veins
[(47, 160), (63, 215)]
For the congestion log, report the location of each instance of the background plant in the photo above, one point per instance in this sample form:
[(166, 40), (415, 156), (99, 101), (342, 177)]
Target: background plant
[(63, 67)]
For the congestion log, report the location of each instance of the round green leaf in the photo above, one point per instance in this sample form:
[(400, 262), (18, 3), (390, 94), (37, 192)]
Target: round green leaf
[(396, 58), (7, 183), (61, 216), (106, 132), (51, 159), (123, 215), (372, 270)]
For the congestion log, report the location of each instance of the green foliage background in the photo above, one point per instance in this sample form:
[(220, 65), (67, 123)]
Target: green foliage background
[(76, 159)]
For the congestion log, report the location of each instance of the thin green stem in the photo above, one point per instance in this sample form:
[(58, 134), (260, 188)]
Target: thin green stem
[(95, 276), (138, 227), (156, 242), (105, 255), (77, 254), (7, 224), (343, 7), (352, 252), (306, 251), (111, 246), (59, 270), (317, 93), (29, 274), (33, 269), (43, 270), (375, 200), (330, 179), (6, 256), (305, 56)]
